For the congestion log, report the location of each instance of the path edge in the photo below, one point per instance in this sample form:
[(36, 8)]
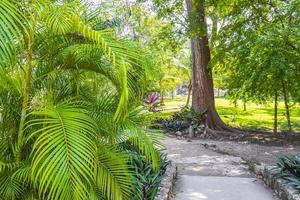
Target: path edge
[(270, 177), (167, 183)]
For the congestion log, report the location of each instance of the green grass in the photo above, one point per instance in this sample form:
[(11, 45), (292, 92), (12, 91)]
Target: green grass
[(256, 115)]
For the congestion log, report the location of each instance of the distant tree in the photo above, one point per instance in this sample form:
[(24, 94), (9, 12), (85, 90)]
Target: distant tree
[(162, 39), (257, 53)]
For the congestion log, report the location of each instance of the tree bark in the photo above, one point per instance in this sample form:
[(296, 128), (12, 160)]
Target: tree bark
[(189, 93), (245, 105), (202, 87), (287, 108), (275, 112)]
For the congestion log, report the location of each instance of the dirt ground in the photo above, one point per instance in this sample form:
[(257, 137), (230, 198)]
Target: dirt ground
[(252, 153)]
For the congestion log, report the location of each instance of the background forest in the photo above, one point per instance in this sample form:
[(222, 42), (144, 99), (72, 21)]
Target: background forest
[(254, 54)]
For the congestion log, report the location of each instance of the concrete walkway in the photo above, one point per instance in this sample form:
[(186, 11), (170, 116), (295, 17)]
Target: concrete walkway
[(205, 174)]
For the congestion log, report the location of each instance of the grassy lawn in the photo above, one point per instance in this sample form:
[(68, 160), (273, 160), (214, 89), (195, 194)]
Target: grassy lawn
[(256, 115)]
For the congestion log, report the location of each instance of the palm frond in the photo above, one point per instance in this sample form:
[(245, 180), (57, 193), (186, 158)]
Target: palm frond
[(11, 30), (102, 110), (10, 188), (118, 54), (23, 173), (7, 166), (70, 142), (143, 142), (114, 179), (64, 151), (57, 19)]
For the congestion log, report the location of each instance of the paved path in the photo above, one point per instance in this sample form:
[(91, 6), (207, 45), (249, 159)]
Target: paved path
[(207, 175)]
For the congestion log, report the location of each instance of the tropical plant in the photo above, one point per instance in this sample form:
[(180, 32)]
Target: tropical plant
[(69, 98), (147, 181), (151, 101), (181, 121), (290, 169)]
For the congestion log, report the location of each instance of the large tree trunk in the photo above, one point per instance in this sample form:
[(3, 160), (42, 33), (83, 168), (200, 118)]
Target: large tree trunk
[(245, 105), (287, 108), (203, 92)]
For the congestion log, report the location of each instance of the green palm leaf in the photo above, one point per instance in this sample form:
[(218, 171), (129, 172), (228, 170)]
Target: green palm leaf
[(10, 188), (11, 30), (141, 140), (64, 152), (114, 179), (71, 157)]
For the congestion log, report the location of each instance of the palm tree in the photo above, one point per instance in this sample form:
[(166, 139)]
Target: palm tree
[(69, 100)]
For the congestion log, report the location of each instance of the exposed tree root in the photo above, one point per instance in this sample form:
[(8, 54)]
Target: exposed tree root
[(265, 138)]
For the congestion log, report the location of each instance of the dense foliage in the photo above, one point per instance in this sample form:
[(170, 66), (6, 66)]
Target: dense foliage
[(74, 74), (257, 52), (138, 19), (290, 169), (146, 182), (181, 121), (254, 48), (70, 94)]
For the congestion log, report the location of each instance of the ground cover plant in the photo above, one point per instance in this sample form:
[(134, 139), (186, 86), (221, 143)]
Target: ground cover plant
[(290, 169), (146, 182)]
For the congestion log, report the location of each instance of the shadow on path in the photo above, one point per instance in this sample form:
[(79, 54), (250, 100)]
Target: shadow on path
[(205, 174)]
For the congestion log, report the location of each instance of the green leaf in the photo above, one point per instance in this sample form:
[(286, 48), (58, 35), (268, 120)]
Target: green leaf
[(64, 153)]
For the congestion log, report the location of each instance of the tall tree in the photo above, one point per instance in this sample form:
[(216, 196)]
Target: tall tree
[(257, 53), (203, 90)]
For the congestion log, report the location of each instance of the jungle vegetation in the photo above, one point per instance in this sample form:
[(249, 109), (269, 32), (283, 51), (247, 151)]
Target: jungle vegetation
[(70, 93)]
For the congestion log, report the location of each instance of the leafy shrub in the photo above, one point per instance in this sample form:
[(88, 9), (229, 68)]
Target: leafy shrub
[(151, 101), (147, 181), (290, 169), (182, 120), (60, 134)]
